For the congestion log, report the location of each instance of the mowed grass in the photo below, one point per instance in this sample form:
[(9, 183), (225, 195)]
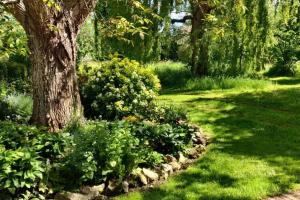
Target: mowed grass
[(255, 144)]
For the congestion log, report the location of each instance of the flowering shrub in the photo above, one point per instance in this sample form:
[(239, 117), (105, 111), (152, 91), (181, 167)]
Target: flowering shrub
[(117, 88)]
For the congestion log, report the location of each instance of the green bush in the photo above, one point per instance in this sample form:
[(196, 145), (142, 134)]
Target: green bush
[(25, 155), (164, 138), (19, 169), (116, 88), (283, 69), (106, 150), (16, 107)]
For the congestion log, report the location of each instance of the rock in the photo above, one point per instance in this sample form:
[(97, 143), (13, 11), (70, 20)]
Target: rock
[(181, 158), (95, 189), (175, 165), (101, 197), (125, 186), (167, 168), (169, 158), (72, 196), (112, 185), (202, 140), (193, 153), (165, 175), (194, 127), (143, 179), (153, 176), (198, 134)]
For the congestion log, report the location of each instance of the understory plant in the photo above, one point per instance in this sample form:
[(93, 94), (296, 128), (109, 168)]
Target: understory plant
[(116, 88)]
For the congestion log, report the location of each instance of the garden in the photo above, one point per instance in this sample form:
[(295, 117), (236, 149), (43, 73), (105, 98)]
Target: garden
[(134, 99)]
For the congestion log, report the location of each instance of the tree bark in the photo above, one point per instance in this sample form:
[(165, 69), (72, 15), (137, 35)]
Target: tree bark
[(52, 36), (55, 91), (199, 60)]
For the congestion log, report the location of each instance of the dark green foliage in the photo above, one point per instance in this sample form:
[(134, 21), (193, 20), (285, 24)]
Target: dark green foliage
[(116, 88), (33, 160), (106, 151), (25, 153), (165, 138), (19, 169)]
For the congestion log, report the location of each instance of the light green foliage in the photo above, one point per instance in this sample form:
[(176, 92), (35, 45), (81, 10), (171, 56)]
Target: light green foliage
[(286, 52), (238, 34), (131, 28), (14, 52), (117, 88), (85, 42), (16, 107), (13, 39), (19, 168)]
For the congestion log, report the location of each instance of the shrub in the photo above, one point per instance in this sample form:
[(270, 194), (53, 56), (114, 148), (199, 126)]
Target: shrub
[(164, 138), (16, 107), (283, 69), (116, 88), (20, 169), (106, 150), (25, 153)]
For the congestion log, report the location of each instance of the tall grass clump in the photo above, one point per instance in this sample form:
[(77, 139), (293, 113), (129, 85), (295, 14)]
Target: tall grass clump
[(171, 74), (177, 77), (211, 83)]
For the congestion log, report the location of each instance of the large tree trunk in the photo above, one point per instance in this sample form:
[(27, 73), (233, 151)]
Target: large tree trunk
[(55, 91), (52, 31)]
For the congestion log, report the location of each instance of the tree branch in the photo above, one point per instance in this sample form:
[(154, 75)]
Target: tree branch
[(16, 8), (183, 20), (79, 10)]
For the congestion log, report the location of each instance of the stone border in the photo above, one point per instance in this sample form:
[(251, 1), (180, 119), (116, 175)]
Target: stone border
[(142, 179)]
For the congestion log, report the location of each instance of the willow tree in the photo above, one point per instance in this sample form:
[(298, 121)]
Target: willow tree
[(131, 27), (52, 28)]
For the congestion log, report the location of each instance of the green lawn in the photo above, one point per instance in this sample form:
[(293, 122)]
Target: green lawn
[(255, 144)]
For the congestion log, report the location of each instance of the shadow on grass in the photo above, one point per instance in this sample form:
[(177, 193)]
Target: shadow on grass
[(288, 81), (261, 126), (265, 126)]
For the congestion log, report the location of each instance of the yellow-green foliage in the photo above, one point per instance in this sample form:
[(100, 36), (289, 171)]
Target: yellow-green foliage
[(116, 88)]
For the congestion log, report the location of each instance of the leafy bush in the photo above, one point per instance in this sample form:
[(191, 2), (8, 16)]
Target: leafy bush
[(163, 115), (48, 146), (106, 150), (283, 68), (16, 107), (25, 153), (116, 88), (19, 169), (164, 138)]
